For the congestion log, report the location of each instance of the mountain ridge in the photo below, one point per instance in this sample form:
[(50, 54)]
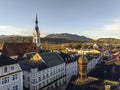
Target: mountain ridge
[(55, 37), (68, 36), (28, 39), (101, 39)]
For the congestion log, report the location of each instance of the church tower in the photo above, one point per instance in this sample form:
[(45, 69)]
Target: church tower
[(36, 34), (82, 62)]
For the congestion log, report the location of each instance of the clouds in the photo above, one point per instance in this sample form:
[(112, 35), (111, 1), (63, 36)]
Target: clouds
[(109, 30), (12, 30), (112, 29), (114, 25)]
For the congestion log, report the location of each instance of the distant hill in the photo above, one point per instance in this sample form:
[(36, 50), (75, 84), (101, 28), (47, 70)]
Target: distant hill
[(2, 36), (68, 37), (15, 39), (28, 39), (108, 41), (53, 38)]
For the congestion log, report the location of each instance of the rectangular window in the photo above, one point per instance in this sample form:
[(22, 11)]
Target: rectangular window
[(43, 83), (39, 85), (50, 73), (14, 77), (5, 69), (28, 85), (15, 87), (28, 79), (23, 77), (34, 88), (50, 79), (43, 77), (5, 80), (39, 78), (47, 81), (12, 67), (47, 75)]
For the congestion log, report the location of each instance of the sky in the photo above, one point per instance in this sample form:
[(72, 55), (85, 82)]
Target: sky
[(92, 18)]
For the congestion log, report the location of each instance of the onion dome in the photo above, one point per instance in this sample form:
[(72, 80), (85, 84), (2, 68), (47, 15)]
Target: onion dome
[(83, 59)]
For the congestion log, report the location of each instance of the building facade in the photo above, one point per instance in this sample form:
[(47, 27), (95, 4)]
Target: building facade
[(43, 71), (11, 76), (71, 65)]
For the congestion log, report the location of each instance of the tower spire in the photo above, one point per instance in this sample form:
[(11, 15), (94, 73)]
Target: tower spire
[(36, 21), (36, 24), (36, 33)]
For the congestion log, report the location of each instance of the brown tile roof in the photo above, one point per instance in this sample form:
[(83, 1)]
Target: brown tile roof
[(13, 49)]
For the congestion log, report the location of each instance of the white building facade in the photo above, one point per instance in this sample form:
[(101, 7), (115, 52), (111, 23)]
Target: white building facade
[(71, 69), (44, 79), (11, 75), (92, 63), (71, 65), (44, 75)]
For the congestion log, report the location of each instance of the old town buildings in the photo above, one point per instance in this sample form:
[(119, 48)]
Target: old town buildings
[(11, 75)]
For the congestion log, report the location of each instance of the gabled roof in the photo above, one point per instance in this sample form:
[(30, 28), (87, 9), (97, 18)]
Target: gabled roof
[(41, 61), (5, 60), (51, 58), (13, 49), (32, 60), (45, 60)]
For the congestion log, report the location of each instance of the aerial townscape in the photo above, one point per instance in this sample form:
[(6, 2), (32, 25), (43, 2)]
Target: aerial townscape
[(60, 61), (27, 66)]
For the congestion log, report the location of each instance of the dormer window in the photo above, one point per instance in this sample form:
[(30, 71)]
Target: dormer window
[(12, 67), (5, 69)]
